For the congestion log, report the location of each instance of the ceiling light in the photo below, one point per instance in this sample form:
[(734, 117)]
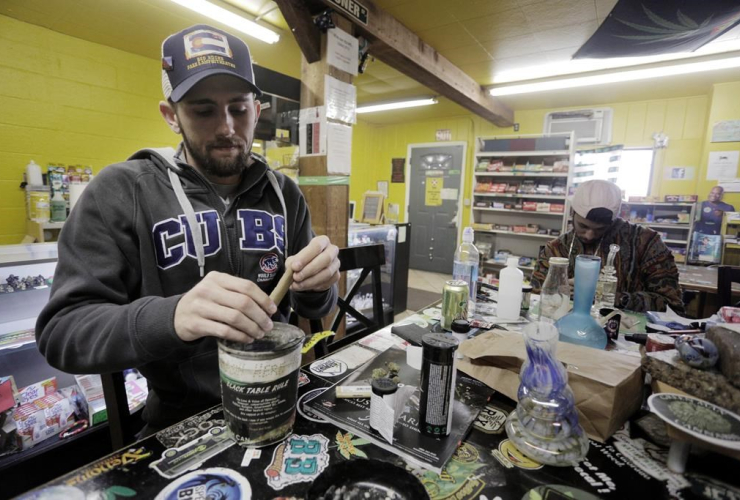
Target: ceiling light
[(617, 77), (411, 103), (230, 19)]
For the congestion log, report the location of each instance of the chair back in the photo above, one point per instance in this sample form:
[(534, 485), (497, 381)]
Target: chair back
[(726, 276), (369, 259)]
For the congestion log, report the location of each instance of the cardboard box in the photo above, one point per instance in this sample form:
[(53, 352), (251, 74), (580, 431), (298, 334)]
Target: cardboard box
[(557, 207), (42, 418), (529, 206), (9, 396), (91, 392), (543, 206), (38, 390)]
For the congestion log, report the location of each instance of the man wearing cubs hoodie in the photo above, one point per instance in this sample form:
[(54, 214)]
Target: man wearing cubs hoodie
[(173, 249)]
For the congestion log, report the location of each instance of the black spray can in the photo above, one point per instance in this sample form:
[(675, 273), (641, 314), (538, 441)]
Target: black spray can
[(437, 383)]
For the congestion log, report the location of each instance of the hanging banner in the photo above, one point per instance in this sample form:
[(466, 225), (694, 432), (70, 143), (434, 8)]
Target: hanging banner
[(653, 27)]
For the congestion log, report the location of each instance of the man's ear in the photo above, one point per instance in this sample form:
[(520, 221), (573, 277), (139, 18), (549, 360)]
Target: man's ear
[(169, 115), (257, 110)]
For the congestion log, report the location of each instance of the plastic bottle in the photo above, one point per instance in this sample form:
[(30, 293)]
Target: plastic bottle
[(467, 260), (511, 279), (33, 174), (58, 207)]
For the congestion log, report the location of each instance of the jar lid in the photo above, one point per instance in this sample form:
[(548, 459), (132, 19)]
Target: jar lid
[(460, 326), (383, 386), (558, 260), (439, 347), (282, 337)]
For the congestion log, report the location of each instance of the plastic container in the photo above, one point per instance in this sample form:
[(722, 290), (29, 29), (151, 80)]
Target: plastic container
[(259, 385), (465, 268), (555, 293), (38, 203), (33, 174), (511, 280), (58, 207)]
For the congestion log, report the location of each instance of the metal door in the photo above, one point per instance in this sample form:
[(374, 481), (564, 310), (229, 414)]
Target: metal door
[(434, 188)]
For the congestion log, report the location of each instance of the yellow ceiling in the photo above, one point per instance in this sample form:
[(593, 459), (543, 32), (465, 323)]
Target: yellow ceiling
[(485, 38)]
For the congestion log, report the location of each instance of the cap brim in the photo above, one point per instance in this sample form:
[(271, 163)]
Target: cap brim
[(179, 92)]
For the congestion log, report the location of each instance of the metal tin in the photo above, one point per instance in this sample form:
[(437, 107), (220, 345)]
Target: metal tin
[(437, 384), (454, 302), (259, 385)]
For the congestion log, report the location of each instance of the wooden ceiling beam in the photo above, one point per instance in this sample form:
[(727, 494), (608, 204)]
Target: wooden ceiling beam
[(307, 35), (399, 47)]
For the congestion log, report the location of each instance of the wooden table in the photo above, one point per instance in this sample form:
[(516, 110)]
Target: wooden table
[(484, 466), (699, 278)]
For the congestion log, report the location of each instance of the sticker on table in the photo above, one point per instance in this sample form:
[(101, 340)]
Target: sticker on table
[(190, 428), (490, 420), (347, 445), (557, 492), (303, 379), (177, 461), (460, 477), (216, 482), (328, 367), (510, 457), (305, 410), (107, 465), (298, 459), (60, 492), (434, 313), (701, 419)]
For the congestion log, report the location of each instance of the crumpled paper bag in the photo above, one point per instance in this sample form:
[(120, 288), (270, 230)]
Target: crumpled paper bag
[(607, 385)]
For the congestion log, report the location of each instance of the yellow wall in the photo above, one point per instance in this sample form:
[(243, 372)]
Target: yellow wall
[(725, 106), (64, 100), (683, 120)]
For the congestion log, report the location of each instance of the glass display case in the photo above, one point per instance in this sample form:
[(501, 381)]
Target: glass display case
[(26, 273), (366, 234)]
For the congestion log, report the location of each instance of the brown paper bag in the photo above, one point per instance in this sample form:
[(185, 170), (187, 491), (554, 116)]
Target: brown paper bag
[(607, 385)]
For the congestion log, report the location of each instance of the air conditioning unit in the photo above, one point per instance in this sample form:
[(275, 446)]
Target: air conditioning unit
[(591, 126)]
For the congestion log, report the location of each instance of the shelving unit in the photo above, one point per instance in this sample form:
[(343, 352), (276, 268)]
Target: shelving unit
[(538, 169), (673, 220)]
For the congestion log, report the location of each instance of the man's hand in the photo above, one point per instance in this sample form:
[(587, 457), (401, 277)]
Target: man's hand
[(316, 267), (226, 307)]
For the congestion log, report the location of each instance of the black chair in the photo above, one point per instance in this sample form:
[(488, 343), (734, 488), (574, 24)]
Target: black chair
[(726, 276), (369, 259)]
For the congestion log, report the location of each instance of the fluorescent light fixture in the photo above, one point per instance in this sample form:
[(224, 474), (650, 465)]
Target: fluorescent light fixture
[(411, 103), (617, 77), (230, 19)]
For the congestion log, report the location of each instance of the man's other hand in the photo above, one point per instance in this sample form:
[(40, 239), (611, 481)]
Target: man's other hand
[(316, 267)]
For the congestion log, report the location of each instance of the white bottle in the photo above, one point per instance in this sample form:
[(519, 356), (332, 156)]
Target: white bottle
[(33, 174), (510, 281), (467, 260)]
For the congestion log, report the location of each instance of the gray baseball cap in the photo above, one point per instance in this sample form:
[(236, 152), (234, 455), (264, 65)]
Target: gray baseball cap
[(201, 51)]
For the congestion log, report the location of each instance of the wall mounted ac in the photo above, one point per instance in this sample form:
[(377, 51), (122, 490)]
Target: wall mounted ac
[(591, 126)]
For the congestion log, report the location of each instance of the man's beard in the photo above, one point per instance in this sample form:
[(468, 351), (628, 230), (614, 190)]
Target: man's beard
[(226, 167)]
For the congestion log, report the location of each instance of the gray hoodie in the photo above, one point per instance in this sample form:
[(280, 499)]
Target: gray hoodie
[(127, 255)]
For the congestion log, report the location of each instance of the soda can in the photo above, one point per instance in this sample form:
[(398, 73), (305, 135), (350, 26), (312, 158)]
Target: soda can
[(454, 302)]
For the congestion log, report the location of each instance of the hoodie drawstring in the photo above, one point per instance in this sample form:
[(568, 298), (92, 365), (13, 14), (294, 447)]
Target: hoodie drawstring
[(187, 207)]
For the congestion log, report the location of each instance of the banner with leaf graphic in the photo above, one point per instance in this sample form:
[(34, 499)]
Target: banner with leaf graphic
[(649, 27)]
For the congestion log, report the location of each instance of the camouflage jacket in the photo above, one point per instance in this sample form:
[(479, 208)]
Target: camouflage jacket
[(647, 274)]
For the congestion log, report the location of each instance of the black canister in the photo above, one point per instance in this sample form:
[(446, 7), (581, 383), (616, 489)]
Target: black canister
[(437, 383), (382, 388)]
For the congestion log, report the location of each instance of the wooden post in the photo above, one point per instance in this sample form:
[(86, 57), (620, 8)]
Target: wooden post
[(329, 204)]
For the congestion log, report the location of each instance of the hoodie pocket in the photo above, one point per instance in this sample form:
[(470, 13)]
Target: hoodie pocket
[(201, 378)]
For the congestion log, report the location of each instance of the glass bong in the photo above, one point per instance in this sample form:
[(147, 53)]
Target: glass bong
[(579, 327), (544, 426), (606, 287)]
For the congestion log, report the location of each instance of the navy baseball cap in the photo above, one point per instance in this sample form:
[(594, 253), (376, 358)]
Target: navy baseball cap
[(201, 51)]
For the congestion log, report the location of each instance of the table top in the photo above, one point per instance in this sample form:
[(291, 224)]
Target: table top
[(703, 279), (485, 465)]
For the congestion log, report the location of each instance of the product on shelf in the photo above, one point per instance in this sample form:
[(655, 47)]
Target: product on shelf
[(560, 166), (482, 227), (557, 207), (482, 204), (559, 187), (38, 390), (42, 418), (512, 188), (518, 206), (532, 228), (543, 207), (529, 206), (9, 396), (543, 188), (498, 204), (527, 187)]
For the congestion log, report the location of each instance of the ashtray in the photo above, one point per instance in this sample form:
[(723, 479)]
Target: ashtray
[(366, 480)]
